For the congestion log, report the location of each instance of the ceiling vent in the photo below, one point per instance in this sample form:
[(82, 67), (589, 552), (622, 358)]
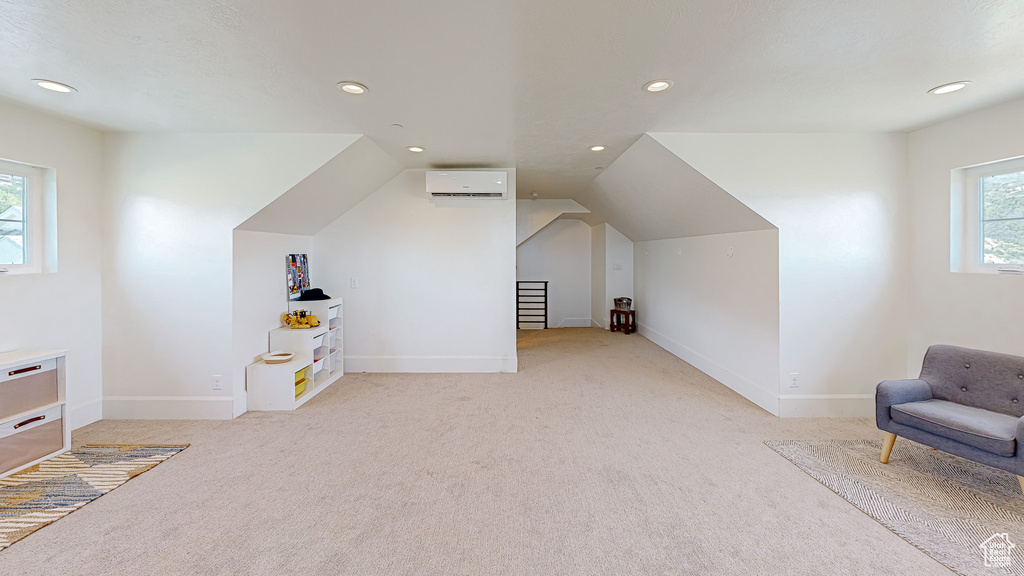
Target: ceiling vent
[(467, 184)]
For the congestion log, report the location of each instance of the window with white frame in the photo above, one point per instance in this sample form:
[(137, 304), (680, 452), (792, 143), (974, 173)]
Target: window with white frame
[(993, 216), (21, 218)]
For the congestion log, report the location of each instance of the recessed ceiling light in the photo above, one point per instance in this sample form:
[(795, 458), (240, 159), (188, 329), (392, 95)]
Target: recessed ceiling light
[(597, 148), (54, 86), (415, 149), (951, 87), (352, 87), (658, 85)]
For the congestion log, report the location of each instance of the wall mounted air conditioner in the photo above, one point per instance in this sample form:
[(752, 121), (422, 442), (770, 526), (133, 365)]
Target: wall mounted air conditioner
[(467, 184)]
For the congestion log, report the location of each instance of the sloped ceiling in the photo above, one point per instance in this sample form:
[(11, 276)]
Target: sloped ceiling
[(649, 193), (329, 192), (533, 215)]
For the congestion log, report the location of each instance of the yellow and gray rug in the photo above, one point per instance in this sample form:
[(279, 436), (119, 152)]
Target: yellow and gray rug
[(57, 487), (948, 507)]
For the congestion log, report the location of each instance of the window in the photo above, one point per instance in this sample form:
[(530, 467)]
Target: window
[(1002, 218), (988, 217), (12, 218), (22, 231)]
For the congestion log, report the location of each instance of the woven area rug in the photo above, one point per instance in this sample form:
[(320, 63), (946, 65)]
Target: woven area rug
[(46, 492), (944, 505)]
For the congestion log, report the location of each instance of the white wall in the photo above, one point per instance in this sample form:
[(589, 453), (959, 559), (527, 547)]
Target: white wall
[(598, 276), (329, 192), (618, 267), (560, 254), (839, 202), (260, 296), (172, 202), (534, 214), (61, 309), (612, 272), (716, 311), (974, 310), (436, 280)]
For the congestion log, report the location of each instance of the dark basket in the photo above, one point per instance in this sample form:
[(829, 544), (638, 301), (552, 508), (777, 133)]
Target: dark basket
[(623, 303)]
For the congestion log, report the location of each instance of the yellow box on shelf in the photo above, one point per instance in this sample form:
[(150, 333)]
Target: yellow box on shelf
[(300, 375), (300, 387)]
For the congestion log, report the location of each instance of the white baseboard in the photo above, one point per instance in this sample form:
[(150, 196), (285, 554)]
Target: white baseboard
[(574, 323), (596, 324), (740, 384), (431, 364), (168, 407), (827, 406), (85, 413)]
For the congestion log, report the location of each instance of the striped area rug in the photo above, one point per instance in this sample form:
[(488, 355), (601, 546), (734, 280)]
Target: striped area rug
[(948, 507), (46, 492)]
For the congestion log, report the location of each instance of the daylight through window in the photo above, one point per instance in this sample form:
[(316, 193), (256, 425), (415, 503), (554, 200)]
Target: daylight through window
[(1002, 218), (13, 191)]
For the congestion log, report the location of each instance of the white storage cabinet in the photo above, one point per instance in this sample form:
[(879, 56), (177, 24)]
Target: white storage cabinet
[(317, 364), (330, 313), (33, 408)]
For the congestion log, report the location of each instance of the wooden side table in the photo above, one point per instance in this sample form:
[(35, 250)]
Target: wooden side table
[(624, 320)]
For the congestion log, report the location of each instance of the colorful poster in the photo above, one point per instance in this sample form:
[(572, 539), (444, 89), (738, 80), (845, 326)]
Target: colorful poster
[(297, 269)]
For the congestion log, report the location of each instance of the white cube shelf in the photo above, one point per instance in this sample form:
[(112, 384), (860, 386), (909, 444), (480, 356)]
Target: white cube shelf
[(273, 386)]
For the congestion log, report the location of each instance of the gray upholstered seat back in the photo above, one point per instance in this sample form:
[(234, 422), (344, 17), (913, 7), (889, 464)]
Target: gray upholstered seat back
[(976, 378)]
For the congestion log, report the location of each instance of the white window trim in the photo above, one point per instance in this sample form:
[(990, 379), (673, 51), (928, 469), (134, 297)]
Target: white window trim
[(33, 208), (967, 253)]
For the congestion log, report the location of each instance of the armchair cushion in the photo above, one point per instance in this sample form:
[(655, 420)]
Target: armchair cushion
[(983, 429)]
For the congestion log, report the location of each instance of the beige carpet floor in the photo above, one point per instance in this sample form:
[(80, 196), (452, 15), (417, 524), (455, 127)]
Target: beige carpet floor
[(603, 455)]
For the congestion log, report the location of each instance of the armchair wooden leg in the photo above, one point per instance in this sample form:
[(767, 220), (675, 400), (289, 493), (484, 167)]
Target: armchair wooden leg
[(1020, 479), (890, 439)]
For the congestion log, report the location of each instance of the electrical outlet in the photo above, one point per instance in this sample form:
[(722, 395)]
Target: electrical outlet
[(792, 379), (353, 282), (218, 382), (616, 266)]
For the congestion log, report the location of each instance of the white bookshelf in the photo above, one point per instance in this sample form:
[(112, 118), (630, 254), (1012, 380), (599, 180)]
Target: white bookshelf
[(330, 313), (273, 386)]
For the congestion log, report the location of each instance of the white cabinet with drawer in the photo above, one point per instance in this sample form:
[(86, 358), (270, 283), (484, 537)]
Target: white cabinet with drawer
[(33, 409)]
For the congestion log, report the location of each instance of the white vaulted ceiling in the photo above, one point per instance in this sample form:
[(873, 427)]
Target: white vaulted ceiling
[(650, 193), (525, 83)]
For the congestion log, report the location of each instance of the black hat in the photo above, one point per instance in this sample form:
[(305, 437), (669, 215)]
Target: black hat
[(313, 294)]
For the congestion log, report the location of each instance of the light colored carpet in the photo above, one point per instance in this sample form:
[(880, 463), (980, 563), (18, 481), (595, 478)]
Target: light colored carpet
[(42, 494), (945, 505), (603, 455)]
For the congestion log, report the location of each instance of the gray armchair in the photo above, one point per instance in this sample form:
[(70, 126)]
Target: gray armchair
[(966, 402)]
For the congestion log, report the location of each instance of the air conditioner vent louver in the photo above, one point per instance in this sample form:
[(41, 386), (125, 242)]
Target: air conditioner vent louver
[(467, 195), (467, 184)]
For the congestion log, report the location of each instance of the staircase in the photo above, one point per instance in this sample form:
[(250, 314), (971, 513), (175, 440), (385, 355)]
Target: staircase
[(531, 303)]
